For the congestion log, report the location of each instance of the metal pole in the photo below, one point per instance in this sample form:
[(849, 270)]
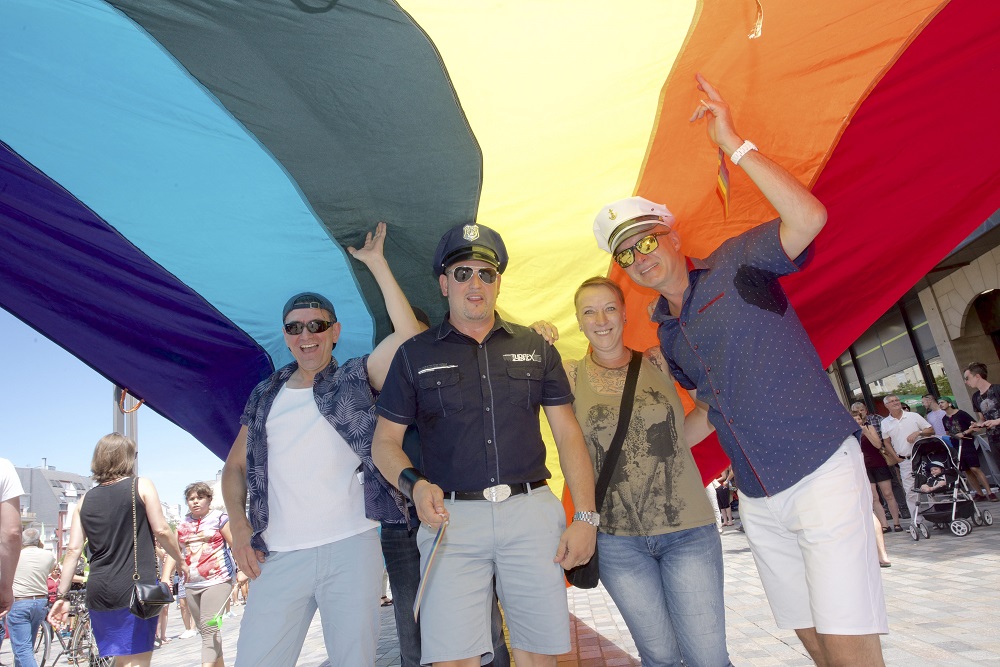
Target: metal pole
[(866, 391), (126, 423), (117, 416), (925, 370)]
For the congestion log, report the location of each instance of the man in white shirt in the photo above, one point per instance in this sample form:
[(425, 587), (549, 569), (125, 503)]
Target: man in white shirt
[(900, 430), (307, 542), (10, 532)]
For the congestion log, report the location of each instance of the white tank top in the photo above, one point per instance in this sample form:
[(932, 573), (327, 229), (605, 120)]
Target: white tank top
[(314, 496)]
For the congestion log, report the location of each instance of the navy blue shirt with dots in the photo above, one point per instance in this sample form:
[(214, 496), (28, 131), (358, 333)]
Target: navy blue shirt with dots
[(476, 404), (740, 344)]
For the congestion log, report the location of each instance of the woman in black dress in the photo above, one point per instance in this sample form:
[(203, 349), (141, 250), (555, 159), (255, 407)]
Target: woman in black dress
[(104, 518)]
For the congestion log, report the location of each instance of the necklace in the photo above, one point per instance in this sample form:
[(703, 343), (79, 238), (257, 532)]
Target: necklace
[(613, 368)]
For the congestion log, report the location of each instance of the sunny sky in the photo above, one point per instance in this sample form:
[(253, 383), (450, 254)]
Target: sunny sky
[(54, 407)]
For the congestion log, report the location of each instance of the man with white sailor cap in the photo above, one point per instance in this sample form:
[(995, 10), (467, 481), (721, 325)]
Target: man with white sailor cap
[(473, 385), (728, 331)]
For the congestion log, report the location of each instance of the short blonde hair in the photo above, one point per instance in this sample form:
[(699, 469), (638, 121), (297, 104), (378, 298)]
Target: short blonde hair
[(599, 281), (114, 458)]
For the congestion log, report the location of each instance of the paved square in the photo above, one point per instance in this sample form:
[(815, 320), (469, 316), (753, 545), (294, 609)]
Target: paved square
[(941, 593)]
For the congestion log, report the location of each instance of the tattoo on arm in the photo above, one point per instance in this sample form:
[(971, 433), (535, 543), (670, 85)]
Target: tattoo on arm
[(655, 357), (571, 372)]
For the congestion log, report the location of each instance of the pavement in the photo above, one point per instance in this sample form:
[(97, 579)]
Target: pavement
[(941, 595)]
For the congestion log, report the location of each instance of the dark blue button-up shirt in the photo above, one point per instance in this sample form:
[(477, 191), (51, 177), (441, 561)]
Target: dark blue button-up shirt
[(740, 344), (476, 405), (347, 401)]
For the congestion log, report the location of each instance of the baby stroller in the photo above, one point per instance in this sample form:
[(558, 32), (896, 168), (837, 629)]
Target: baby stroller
[(950, 506)]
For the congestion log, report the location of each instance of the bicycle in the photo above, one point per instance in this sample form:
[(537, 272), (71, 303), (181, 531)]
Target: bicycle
[(77, 644)]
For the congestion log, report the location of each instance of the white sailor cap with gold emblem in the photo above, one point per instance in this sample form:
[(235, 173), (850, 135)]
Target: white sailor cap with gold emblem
[(617, 220)]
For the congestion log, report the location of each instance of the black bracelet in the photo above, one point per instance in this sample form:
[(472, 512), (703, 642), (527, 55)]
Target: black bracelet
[(407, 479)]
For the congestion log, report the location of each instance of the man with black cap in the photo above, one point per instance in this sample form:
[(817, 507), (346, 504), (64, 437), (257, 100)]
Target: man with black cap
[(473, 386), (310, 541), (727, 330)]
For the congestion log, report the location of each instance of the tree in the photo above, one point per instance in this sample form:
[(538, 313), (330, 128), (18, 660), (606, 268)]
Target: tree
[(943, 385), (917, 388)]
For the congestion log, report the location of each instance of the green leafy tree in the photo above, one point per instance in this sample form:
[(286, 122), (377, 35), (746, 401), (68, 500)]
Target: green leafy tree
[(911, 388)]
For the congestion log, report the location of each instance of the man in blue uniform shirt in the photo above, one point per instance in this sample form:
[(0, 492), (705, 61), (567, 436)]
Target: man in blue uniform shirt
[(728, 331), (473, 386)]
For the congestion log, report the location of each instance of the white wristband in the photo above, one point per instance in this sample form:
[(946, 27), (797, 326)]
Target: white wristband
[(741, 151)]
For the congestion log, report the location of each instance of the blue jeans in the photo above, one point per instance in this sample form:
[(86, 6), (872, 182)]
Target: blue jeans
[(402, 562), (669, 591), (23, 620)]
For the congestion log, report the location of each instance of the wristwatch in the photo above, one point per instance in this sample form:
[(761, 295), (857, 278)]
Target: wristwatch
[(593, 518)]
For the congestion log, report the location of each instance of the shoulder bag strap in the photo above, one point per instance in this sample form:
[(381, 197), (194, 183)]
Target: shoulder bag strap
[(135, 540), (135, 535), (624, 418)]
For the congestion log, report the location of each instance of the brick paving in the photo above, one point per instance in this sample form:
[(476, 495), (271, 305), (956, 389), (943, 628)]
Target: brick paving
[(941, 593)]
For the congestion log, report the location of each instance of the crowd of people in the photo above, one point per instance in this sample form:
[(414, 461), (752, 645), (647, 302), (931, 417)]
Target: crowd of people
[(426, 457)]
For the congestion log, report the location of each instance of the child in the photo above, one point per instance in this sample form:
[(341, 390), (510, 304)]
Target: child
[(936, 482)]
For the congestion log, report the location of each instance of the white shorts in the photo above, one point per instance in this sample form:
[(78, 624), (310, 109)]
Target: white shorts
[(814, 545)]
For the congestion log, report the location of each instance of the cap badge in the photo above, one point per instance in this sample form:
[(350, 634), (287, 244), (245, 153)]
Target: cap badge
[(470, 232), (611, 214)]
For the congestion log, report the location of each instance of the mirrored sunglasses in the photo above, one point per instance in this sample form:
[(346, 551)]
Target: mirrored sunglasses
[(314, 326), (463, 274), (645, 245)]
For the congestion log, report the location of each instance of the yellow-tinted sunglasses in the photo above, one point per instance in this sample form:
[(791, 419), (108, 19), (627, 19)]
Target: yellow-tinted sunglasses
[(645, 245)]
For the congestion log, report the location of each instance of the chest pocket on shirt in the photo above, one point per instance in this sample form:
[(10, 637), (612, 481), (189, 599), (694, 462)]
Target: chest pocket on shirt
[(760, 288), (525, 381), (439, 391)]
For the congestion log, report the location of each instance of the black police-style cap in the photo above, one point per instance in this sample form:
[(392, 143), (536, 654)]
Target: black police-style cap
[(308, 300), (470, 242)]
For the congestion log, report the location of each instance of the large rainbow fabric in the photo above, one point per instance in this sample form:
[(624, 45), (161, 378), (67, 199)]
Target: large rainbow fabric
[(172, 171)]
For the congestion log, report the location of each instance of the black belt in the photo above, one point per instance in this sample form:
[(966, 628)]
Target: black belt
[(496, 494), (32, 597)]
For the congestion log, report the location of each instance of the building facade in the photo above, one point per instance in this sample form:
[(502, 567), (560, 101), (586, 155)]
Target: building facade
[(50, 496)]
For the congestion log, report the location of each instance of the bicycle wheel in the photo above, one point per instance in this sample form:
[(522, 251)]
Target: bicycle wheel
[(43, 643), (82, 649)]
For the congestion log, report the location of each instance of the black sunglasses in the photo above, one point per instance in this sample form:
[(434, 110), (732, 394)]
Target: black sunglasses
[(314, 326), (463, 274)]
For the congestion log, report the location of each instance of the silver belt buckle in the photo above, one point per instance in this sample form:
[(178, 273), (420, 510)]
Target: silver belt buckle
[(497, 494)]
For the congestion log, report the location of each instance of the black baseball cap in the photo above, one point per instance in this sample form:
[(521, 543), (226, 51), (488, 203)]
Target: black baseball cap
[(308, 300)]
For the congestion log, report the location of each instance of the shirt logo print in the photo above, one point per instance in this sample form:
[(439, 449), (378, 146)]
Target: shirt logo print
[(537, 358)]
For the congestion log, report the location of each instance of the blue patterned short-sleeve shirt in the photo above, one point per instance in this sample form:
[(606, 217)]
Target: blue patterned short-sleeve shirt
[(346, 399), (739, 342)]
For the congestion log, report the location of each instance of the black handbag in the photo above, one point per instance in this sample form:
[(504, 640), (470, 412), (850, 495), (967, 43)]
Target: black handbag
[(589, 574), (147, 599)]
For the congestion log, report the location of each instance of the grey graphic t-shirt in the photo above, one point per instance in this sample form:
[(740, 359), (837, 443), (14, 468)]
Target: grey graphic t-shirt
[(988, 403)]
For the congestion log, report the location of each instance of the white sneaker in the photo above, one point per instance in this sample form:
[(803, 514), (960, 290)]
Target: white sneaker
[(187, 634), (230, 614)]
